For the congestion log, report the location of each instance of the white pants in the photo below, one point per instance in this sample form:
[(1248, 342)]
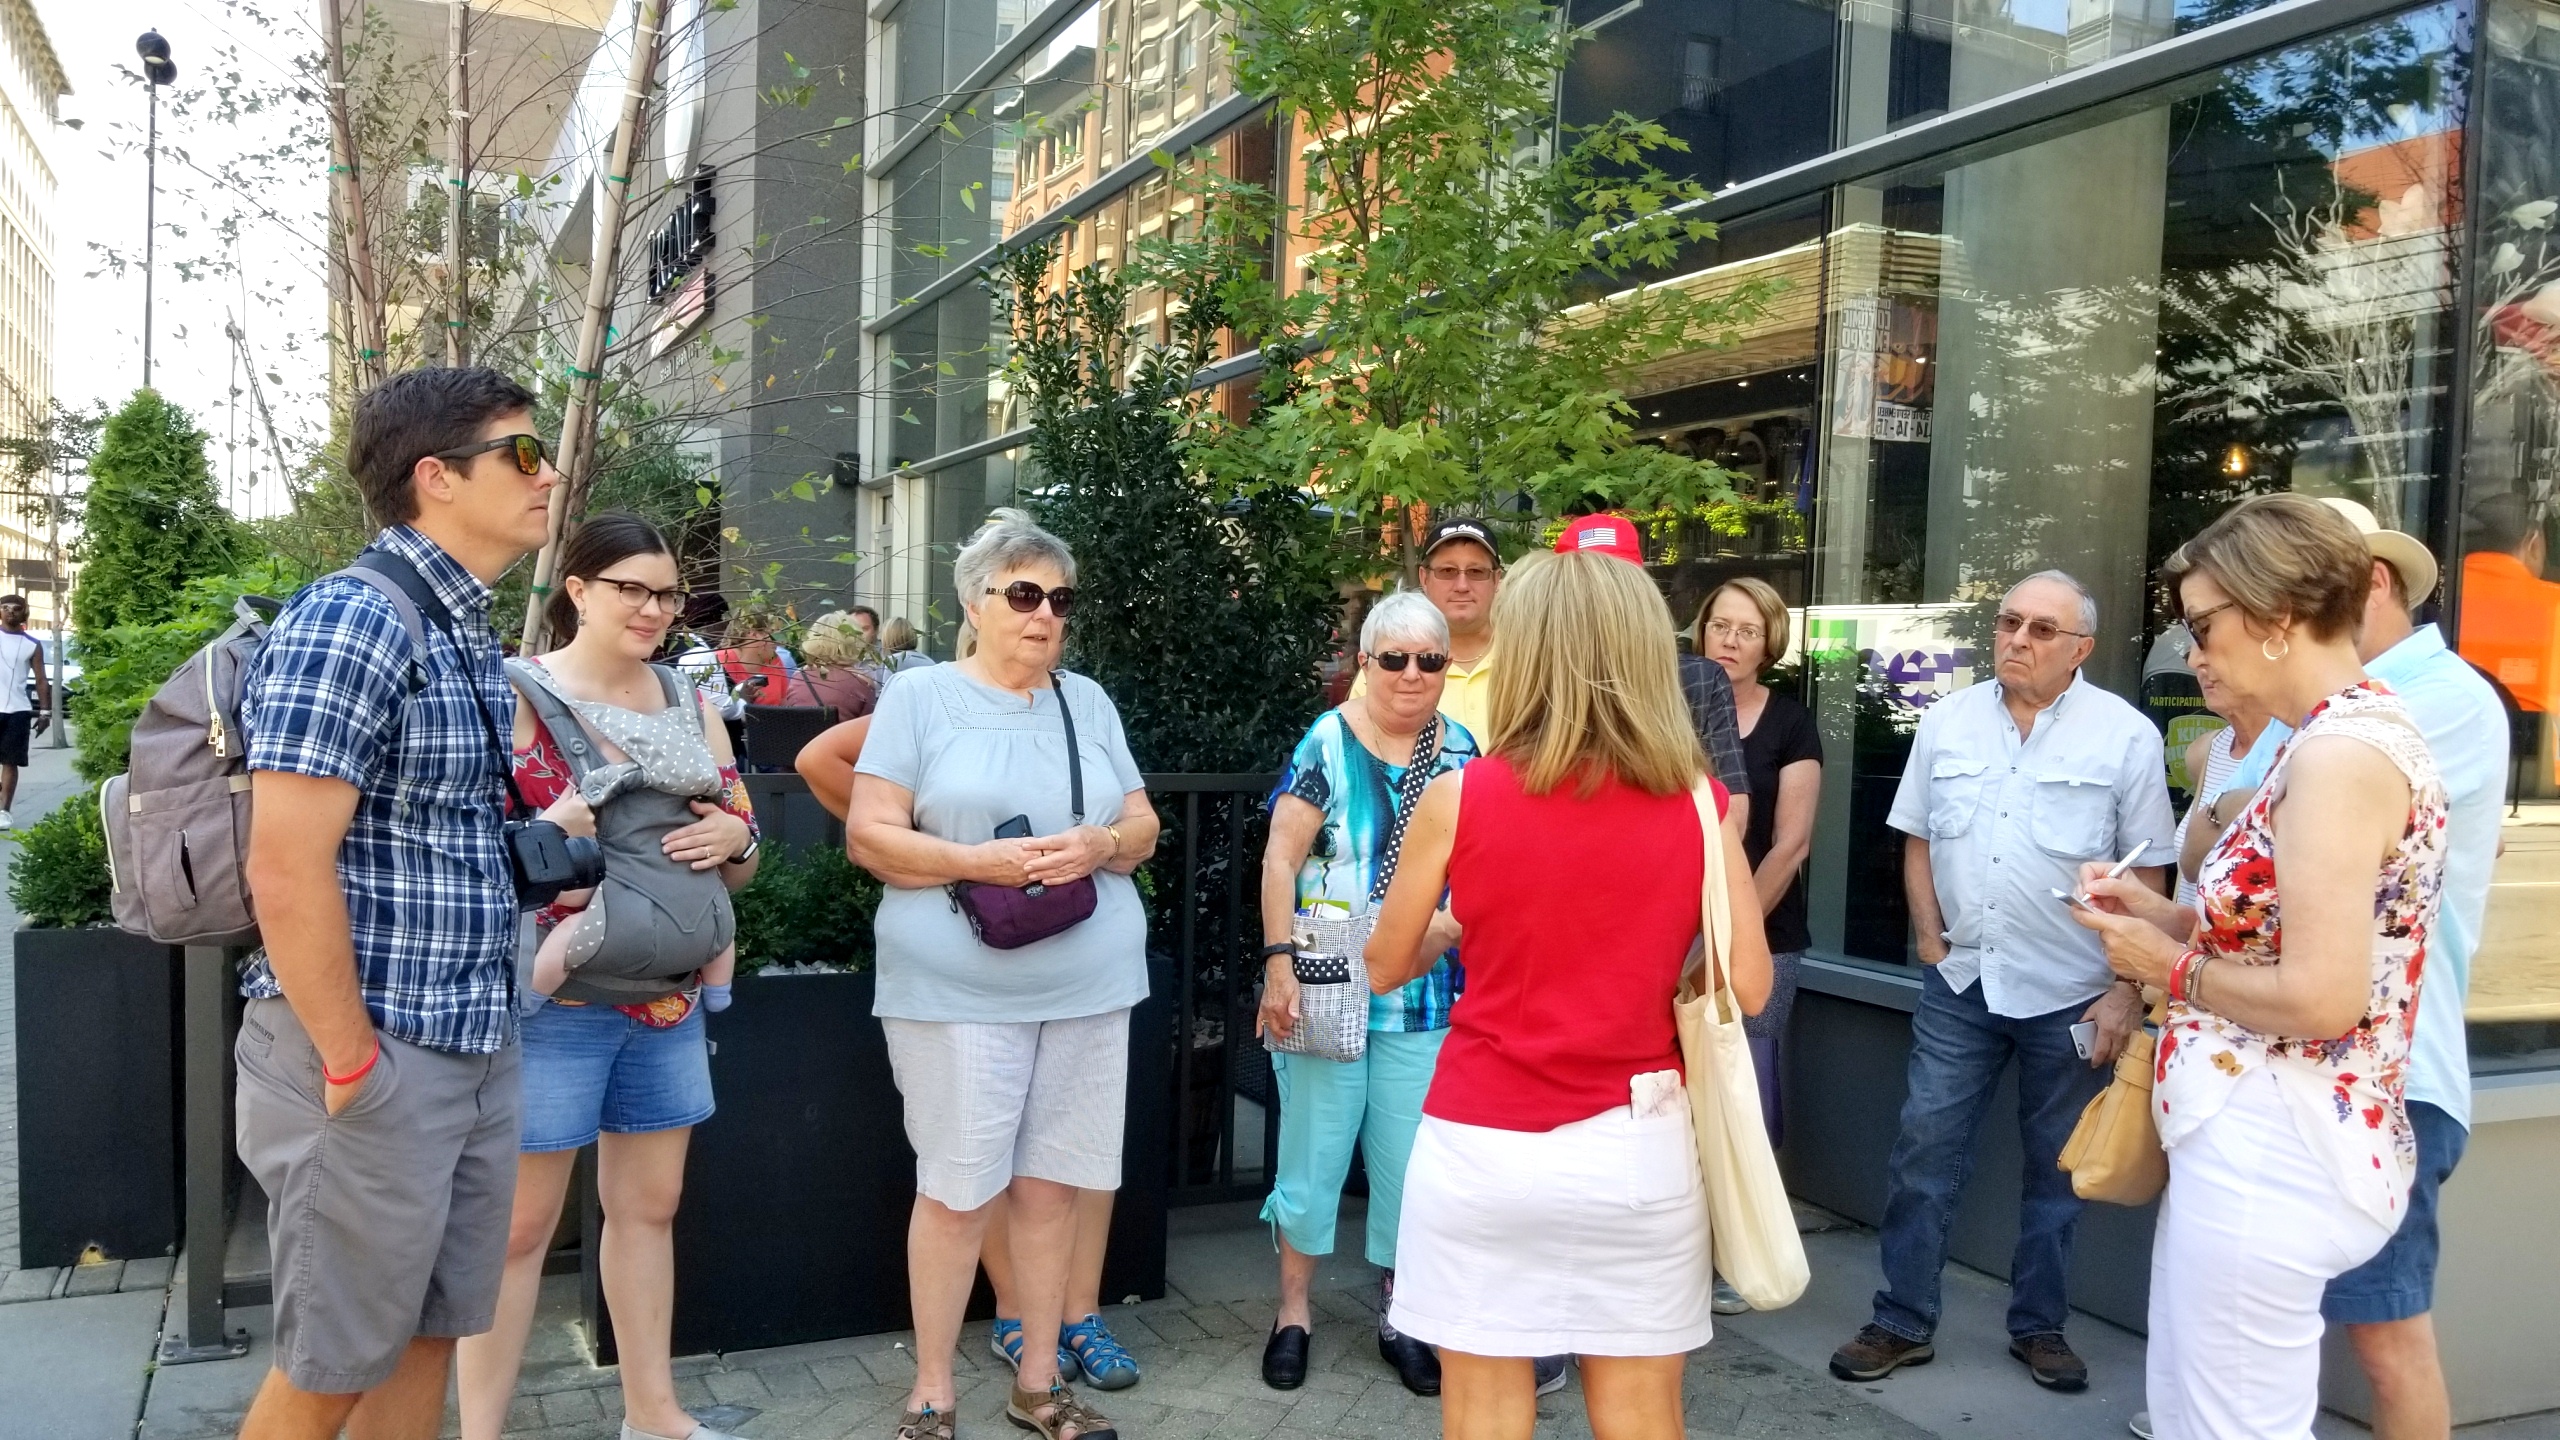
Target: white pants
[(2251, 1232), (986, 1102)]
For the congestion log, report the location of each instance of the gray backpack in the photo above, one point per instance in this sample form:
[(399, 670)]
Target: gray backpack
[(177, 820)]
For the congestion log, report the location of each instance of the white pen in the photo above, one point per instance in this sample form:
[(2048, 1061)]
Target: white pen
[(2121, 866)]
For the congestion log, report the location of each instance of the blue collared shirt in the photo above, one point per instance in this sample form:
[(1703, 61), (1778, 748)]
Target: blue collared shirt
[(2466, 727), (339, 692), (2009, 820)]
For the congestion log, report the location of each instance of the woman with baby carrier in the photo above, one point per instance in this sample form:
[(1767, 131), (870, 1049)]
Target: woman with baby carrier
[(615, 980)]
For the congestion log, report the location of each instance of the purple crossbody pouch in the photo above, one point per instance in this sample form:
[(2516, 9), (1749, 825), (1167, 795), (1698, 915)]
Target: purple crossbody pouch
[(1008, 917)]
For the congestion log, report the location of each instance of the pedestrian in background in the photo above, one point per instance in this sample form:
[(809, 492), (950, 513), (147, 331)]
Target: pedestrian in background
[(2279, 1093), (833, 653), (2012, 784), (898, 650), (1554, 1202), (1336, 823), (1743, 629), (26, 697)]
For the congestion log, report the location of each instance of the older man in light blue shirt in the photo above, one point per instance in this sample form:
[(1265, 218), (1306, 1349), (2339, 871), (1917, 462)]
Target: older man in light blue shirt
[(2010, 786), (2385, 1302)]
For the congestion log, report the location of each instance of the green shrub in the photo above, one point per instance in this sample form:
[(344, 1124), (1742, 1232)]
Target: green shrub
[(814, 909), (124, 666), (152, 521), (59, 876)]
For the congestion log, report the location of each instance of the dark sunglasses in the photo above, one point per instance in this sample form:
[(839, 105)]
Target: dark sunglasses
[(530, 451), (1024, 596), (1393, 661)]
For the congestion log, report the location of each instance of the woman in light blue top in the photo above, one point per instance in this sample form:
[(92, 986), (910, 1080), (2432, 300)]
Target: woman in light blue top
[(1335, 821), (1013, 1063)]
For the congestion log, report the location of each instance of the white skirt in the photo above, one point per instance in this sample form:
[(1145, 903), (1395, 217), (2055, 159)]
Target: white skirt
[(1589, 1239)]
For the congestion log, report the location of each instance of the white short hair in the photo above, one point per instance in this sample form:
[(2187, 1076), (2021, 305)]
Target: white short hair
[(1009, 540), (2088, 602), (1405, 615)]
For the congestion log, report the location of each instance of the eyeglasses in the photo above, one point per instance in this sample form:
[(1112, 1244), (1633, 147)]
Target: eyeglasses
[(2195, 622), (1727, 630), (1024, 596), (1452, 574), (530, 451), (638, 596), (1393, 661), (2039, 629)]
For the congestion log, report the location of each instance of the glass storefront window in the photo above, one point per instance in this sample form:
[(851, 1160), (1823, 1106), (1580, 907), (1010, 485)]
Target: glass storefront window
[(2510, 607), (2075, 353), (1745, 83)]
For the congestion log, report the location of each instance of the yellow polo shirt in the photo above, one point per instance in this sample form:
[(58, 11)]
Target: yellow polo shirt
[(1466, 697)]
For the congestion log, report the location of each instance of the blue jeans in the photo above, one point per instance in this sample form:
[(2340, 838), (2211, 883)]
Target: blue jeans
[(591, 1067), (1958, 1049)]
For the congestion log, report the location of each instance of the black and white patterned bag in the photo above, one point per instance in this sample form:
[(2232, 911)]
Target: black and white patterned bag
[(1333, 976)]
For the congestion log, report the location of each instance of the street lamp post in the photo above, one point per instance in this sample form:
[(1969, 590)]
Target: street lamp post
[(157, 70)]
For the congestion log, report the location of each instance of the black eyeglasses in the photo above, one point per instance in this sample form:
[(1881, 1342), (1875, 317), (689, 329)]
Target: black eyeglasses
[(530, 451), (1393, 661), (1024, 596), (2038, 629), (637, 595)]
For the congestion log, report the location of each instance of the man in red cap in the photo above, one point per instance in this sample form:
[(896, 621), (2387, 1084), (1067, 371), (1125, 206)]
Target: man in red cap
[(1701, 680)]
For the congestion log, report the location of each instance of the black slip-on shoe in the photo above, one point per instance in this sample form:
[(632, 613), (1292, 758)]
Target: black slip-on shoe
[(1416, 1364), (2050, 1360), (1284, 1358), (1875, 1352)]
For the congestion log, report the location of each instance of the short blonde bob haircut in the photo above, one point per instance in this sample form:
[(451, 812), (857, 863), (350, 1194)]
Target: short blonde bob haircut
[(1589, 682), (2281, 557), (835, 638), (1764, 598)]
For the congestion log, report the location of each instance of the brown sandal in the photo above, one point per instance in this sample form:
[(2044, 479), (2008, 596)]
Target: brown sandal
[(1065, 1410), (925, 1424)]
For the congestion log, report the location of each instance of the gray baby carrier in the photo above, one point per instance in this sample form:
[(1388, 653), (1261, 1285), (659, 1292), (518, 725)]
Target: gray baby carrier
[(663, 919)]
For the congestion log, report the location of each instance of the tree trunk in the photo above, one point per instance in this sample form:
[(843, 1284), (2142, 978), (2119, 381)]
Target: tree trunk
[(362, 286), (586, 372), (457, 179)]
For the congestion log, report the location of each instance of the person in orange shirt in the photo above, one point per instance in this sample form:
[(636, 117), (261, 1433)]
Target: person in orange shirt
[(2510, 614)]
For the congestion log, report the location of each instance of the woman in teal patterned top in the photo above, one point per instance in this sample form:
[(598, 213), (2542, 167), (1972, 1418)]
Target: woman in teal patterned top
[(1334, 823)]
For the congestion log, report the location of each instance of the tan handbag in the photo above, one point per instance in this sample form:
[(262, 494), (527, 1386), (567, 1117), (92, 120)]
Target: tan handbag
[(2114, 1152), (1749, 1219)]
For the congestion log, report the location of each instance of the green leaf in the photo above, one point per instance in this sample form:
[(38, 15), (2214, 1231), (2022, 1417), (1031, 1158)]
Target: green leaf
[(801, 490)]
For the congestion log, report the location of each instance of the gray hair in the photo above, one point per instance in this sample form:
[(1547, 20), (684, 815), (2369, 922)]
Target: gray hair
[(1405, 615), (1010, 540), (2088, 602)]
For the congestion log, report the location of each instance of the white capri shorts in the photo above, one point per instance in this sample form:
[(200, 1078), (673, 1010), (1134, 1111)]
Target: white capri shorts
[(2251, 1232), (984, 1103), (1588, 1239)]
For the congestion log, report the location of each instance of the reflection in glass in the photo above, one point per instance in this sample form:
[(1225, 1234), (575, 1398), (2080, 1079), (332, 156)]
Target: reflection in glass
[(1745, 84), (2074, 353)]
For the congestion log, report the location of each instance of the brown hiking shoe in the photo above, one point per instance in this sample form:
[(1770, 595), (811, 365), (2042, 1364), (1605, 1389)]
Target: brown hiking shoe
[(2049, 1359), (1875, 1352)]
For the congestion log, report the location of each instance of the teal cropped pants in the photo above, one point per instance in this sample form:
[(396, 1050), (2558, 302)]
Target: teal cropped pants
[(1325, 1107)]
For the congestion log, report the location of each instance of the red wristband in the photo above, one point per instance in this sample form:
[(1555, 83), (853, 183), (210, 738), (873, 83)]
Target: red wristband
[(2178, 971), (359, 1072)]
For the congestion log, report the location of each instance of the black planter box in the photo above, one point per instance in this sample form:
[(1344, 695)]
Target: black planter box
[(797, 1193), (98, 1095)]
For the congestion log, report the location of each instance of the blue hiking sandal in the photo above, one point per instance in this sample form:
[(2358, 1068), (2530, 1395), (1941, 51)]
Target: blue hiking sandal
[(1107, 1364), (1006, 1340)]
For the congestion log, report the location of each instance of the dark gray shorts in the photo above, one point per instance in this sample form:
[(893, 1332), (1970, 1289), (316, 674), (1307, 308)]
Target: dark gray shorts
[(387, 1220)]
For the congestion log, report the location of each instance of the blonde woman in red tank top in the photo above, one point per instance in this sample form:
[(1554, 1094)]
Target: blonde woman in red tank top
[(1553, 1202)]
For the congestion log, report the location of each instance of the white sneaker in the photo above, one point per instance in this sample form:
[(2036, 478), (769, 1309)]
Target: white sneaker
[(1728, 1301), (2140, 1425), (5, 821)]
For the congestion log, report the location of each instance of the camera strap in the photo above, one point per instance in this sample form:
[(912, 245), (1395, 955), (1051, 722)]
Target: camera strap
[(398, 570)]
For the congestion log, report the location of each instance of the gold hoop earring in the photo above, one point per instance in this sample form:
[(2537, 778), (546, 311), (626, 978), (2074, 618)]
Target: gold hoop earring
[(2285, 640)]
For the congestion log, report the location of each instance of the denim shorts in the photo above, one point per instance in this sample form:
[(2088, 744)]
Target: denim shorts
[(590, 1067), (2400, 1280)]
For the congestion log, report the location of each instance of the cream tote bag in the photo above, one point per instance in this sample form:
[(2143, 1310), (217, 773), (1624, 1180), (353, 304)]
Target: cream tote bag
[(1757, 1249)]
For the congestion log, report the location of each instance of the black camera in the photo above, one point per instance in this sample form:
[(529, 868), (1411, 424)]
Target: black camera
[(547, 860)]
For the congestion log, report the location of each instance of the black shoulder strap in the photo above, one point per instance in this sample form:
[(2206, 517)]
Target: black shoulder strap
[(400, 572), (1075, 762), (1409, 787)]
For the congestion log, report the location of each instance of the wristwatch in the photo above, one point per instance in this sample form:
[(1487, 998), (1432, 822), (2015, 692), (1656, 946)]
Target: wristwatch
[(754, 844)]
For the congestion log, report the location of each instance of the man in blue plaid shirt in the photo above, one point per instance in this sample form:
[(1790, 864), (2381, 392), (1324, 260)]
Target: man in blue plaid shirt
[(378, 1065)]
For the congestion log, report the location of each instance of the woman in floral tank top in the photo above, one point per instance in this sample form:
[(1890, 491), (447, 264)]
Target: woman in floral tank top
[(2293, 986)]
